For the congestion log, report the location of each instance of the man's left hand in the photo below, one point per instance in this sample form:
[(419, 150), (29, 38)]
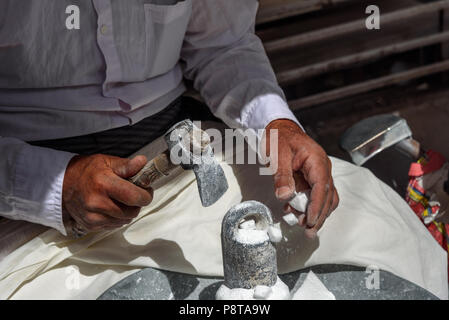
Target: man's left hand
[(303, 165)]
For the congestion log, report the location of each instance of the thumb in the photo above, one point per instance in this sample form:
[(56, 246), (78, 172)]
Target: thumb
[(284, 183), (126, 168)]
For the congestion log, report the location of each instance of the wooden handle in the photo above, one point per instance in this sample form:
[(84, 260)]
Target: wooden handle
[(153, 170)]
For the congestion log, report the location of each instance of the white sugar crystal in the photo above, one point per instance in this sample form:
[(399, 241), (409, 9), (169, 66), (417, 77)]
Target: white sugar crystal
[(249, 236), (224, 293), (249, 224), (279, 291), (313, 289), (262, 292), (275, 233), (300, 201), (291, 219)]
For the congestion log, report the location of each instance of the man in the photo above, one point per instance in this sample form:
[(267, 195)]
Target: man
[(68, 94)]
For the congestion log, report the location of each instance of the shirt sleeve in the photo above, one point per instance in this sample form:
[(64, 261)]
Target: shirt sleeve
[(31, 181), (229, 66)]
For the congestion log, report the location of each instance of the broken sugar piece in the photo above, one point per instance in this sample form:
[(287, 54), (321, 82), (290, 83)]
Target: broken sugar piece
[(313, 289), (248, 224), (300, 201), (279, 291), (249, 236), (275, 233), (291, 219), (262, 292), (225, 293)]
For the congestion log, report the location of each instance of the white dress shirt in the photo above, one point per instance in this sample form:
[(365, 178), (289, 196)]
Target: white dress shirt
[(126, 62)]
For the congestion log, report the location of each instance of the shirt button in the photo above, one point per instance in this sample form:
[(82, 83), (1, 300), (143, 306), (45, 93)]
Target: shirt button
[(103, 29)]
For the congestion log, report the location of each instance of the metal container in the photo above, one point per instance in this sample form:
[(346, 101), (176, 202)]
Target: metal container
[(247, 265)]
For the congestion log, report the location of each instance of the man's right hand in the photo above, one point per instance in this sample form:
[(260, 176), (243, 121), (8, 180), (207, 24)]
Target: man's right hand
[(97, 195)]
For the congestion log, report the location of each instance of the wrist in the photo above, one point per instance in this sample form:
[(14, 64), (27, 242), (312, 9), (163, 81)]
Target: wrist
[(285, 124)]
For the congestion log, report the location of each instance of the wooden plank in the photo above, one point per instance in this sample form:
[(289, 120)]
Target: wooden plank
[(289, 76), (345, 28), (340, 46), (444, 26), (349, 11), (368, 85)]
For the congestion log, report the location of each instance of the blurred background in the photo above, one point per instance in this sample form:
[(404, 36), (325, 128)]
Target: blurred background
[(335, 72)]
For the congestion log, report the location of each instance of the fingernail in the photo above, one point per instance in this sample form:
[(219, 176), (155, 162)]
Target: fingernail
[(283, 193), (139, 158)]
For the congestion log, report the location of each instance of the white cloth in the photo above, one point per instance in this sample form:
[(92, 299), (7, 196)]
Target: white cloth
[(125, 63), (372, 226)]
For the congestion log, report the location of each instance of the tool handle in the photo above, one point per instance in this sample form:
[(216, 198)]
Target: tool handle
[(159, 167)]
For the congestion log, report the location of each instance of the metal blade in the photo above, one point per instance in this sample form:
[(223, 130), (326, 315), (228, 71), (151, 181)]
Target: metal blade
[(212, 183)]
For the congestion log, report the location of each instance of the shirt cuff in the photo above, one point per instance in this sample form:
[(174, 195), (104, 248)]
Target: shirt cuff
[(38, 185), (261, 111), (266, 108)]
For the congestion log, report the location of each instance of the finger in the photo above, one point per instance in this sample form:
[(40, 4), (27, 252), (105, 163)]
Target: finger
[(127, 211), (325, 211), (126, 168), (92, 221), (312, 232), (317, 202), (319, 178), (105, 205), (284, 183), (335, 201), (127, 193), (115, 209)]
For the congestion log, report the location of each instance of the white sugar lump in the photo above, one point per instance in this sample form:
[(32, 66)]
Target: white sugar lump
[(300, 201), (262, 292), (279, 291), (249, 236), (291, 219), (275, 233), (225, 293), (313, 289), (249, 224)]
